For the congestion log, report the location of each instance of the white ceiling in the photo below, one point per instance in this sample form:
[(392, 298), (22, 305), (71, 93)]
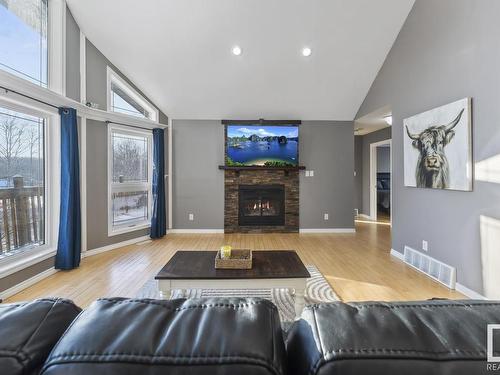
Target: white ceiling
[(179, 53), (372, 121)]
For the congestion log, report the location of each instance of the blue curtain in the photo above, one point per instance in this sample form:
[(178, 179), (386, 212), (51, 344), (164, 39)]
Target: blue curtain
[(159, 218), (69, 241)]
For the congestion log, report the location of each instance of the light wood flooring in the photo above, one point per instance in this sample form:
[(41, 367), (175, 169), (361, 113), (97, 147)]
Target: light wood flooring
[(358, 266)]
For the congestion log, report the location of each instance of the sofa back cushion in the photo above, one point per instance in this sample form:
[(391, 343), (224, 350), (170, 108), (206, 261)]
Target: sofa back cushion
[(428, 337), (29, 331), (195, 336)]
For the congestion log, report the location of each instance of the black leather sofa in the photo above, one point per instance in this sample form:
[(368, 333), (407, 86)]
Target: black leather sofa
[(243, 336)]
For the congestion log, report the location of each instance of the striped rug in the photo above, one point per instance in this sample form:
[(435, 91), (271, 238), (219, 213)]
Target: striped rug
[(317, 290)]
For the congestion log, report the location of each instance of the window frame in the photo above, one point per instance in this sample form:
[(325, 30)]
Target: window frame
[(56, 48), (129, 186), (114, 78), (52, 165)]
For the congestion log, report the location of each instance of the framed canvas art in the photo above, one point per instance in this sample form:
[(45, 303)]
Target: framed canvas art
[(438, 148)]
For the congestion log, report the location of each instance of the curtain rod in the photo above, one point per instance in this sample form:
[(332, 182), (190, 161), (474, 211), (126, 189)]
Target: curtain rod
[(132, 126), (7, 90)]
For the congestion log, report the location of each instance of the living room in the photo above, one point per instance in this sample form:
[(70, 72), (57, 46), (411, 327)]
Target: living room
[(294, 159)]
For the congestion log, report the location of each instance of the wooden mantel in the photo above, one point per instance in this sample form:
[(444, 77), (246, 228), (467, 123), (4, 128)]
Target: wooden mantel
[(261, 168)]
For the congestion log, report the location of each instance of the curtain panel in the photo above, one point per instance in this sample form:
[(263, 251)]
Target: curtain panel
[(69, 239), (159, 217)]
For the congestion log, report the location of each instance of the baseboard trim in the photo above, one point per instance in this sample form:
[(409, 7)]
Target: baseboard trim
[(468, 292), (397, 254), (27, 283), (327, 230), (194, 231), (114, 246), (364, 216)]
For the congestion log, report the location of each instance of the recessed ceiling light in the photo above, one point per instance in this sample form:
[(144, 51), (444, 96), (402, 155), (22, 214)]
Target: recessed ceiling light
[(236, 50), (306, 51)]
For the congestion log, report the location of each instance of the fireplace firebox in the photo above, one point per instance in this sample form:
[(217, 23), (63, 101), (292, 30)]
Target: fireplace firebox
[(261, 205)]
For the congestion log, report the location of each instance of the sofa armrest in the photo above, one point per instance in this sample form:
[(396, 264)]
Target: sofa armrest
[(29, 331)]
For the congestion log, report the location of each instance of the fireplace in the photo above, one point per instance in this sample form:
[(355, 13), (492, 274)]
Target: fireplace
[(261, 201), (261, 205)]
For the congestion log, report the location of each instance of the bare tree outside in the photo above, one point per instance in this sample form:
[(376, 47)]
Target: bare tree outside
[(13, 144), (130, 166), (130, 159), (21, 181)]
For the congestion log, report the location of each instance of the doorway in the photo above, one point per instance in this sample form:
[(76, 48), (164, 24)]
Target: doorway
[(381, 181)]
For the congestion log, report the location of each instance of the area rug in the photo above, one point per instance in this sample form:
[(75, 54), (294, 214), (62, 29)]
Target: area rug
[(317, 290)]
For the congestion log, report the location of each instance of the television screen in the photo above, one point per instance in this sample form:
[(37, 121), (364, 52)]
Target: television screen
[(258, 145)]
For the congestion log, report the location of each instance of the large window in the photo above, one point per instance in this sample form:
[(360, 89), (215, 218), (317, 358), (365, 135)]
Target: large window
[(23, 39), (130, 171), (122, 98), (22, 182)]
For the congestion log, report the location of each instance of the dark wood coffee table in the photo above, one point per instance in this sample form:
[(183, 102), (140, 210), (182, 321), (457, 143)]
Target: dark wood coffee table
[(271, 270)]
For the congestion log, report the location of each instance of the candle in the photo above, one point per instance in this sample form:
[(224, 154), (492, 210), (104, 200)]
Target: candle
[(225, 252)]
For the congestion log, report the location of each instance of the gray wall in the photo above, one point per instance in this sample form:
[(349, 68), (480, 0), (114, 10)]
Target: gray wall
[(97, 65), (18, 277), (327, 147), (383, 159), (198, 186), (97, 189), (446, 50), (72, 57), (97, 231), (366, 141)]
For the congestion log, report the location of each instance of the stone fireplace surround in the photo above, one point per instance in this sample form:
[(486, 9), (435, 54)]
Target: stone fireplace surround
[(290, 181)]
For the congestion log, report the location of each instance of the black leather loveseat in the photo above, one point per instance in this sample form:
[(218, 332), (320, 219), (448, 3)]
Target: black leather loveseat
[(243, 336)]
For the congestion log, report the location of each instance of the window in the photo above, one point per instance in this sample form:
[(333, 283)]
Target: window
[(23, 39), (130, 175), (22, 182), (122, 98)]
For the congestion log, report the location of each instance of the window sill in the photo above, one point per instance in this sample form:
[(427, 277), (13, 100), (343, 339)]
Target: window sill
[(128, 229), (18, 262)]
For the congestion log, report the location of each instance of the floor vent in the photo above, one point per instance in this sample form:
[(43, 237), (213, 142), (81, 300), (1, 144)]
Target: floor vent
[(433, 268)]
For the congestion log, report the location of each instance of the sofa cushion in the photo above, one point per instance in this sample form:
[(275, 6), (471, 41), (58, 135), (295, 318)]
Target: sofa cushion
[(29, 331), (431, 337), (195, 336)]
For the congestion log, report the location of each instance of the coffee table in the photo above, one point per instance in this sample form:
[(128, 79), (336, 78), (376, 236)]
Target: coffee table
[(272, 269)]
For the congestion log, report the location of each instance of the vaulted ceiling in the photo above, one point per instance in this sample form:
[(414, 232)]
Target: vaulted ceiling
[(179, 53)]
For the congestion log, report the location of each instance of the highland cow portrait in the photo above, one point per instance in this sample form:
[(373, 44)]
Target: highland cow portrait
[(437, 148)]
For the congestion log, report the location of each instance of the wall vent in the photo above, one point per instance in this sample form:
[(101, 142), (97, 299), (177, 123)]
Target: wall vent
[(433, 268)]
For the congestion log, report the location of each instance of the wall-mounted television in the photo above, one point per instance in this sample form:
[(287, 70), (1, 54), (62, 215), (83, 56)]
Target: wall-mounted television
[(262, 145)]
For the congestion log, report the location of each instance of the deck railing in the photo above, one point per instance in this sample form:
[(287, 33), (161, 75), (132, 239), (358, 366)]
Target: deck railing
[(21, 216)]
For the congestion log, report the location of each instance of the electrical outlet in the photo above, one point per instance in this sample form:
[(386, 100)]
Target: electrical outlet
[(311, 173), (425, 245), (325, 216), (191, 217)]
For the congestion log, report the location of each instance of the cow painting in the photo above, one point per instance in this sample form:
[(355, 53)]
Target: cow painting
[(432, 169), (437, 148)]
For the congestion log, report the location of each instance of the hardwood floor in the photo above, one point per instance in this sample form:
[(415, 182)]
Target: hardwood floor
[(358, 266)]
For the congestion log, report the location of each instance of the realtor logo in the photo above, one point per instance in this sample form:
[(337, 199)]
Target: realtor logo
[(490, 343)]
